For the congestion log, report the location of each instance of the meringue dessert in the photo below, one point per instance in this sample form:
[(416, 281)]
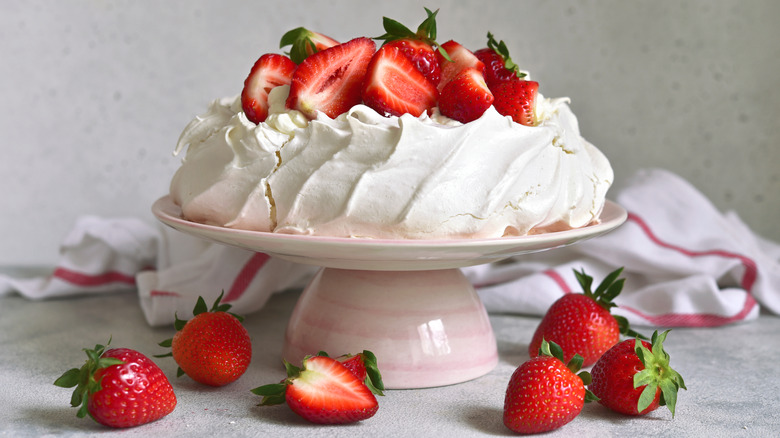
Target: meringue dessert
[(279, 158)]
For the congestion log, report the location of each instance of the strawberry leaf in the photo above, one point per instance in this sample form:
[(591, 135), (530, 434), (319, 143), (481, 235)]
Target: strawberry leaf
[(69, 378), (273, 394), (502, 50), (84, 378), (373, 376), (657, 374), (200, 307), (646, 398), (300, 42)]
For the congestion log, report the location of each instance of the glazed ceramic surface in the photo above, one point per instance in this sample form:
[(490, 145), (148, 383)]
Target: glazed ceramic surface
[(386, 255), (405, 300)]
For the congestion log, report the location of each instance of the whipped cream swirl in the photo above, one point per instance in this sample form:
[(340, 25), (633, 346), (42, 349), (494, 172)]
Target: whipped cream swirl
[(366, 175)]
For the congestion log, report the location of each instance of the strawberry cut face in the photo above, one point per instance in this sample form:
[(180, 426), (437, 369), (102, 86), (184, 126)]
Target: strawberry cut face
[(394, 86), (422, 56), (330, 81), (271, 70), (327, 392)]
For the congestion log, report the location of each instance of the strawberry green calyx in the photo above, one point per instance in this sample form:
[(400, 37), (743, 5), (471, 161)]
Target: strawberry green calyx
[(657, 374), (426, 32), (373, 376), (302, 43), (502, 50), (84, 378), (605, 293), (574, 365)]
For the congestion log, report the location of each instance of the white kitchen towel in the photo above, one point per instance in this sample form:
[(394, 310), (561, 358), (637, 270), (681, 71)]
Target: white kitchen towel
[(685, 264)]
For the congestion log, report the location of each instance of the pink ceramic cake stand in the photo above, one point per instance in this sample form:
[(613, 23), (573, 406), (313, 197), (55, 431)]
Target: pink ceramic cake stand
[(405, 300)]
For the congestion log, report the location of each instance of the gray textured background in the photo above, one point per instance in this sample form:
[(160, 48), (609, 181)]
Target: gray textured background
[(95, 93)]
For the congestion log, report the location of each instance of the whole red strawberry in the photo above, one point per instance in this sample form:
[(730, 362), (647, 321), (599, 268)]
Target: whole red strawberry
[(419, 47), (322, 391), (582, 323), (119, 387), (634, 377), (499, 66), (213, 347), (544, 393)]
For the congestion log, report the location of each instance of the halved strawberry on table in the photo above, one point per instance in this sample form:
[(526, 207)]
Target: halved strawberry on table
[(304, 42), (322, 391), (394, 86), (330, 81), (271, 70), (420, 46)]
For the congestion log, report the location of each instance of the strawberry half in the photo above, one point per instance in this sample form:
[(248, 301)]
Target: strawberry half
[(270, 71), (418, 46), (499, 66), (394, 86), (460, 58), (322, 391), (466, 97), (364, 367), (119, 387), (516, 98), (330, 81), (305, 42)]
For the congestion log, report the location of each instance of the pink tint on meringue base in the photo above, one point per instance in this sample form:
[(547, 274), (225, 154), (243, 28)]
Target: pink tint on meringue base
[(426, 328)]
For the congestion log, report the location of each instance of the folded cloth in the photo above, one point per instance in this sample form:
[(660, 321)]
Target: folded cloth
[(685, 264)]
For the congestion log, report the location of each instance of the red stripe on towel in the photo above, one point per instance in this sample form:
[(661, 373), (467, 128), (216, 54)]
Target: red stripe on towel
[(163, 293), (556, 277), (245, 277), (90, 280), (700, 320)]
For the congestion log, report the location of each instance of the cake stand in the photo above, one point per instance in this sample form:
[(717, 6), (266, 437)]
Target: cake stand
[(405, 300)]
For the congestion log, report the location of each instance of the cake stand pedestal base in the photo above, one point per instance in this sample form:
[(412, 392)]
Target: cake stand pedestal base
[(427, 328)]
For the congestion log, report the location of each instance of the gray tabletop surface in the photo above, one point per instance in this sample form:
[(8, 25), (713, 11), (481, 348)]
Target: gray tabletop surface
[(731, 375)]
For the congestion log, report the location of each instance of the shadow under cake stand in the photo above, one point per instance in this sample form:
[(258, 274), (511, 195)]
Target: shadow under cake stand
[(405, 300)]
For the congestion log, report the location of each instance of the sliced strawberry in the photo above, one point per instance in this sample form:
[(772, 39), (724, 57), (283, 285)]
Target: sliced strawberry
[(461, 58), (330, 81), (517, 99), (323, 391), (466, 97), (364, 367), (270, 71), (393, 86), (499, 66), (305, 42), (422, 56), (417, 46)]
